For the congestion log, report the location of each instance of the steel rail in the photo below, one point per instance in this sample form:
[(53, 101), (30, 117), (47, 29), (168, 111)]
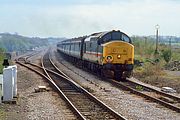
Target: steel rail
[(50, 81), (114, 113), (168, 105), (54, 85), (25, 57), (154, 90), (74, 109), (122, 86)]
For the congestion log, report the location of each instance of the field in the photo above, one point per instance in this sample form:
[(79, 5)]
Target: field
[(150, 67)]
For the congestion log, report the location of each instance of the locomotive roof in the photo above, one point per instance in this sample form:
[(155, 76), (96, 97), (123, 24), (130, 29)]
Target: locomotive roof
[(73, 39), (103, 37), (99, 36)]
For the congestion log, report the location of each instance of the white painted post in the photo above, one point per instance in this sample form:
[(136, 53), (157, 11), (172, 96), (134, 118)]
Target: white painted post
[(8, 84)]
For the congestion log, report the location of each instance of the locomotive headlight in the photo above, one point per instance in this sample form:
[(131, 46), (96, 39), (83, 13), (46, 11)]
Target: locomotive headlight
[(118, 56), (109, 58)]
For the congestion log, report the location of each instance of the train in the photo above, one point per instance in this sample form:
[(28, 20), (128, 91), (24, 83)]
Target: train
[(101, 52)]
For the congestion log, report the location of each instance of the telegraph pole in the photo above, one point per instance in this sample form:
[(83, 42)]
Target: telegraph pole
[(170, 42), (145, 41), (170, 45), (157, 38)]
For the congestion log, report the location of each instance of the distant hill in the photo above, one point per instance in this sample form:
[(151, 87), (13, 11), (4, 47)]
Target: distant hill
[(52, 40), (13, 42), (162, 39)]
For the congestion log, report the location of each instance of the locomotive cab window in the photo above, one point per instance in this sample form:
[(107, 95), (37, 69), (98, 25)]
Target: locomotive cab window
[(107, 37), (126, 38), (116, 36), (113, 36)]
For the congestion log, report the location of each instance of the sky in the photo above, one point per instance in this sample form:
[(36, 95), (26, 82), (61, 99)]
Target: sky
[(73, 18)]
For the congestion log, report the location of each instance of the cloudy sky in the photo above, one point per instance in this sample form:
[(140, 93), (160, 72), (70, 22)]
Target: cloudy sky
[(71, 18)]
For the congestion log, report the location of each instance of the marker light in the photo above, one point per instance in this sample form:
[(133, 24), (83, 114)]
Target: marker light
[(118, 56)]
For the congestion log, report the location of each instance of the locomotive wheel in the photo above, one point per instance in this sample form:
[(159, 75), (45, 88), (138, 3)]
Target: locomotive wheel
[(106, 73), (101, 73), (118, 75)]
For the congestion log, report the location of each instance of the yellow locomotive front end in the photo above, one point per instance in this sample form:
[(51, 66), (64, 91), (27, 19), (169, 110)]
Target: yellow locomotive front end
[(118, 56)]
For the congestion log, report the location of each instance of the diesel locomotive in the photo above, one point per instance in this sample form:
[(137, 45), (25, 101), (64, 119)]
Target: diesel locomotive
[(101, 52)]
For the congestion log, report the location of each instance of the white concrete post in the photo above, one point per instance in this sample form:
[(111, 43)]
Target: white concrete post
[(8, 84)]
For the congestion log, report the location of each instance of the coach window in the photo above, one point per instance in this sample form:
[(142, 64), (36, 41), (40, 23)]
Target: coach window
[(87, 46), (84, 47), (79, 46), (69, 47), (90, 46), (74, 46), (100, 48), (94, 46), (65, 46)]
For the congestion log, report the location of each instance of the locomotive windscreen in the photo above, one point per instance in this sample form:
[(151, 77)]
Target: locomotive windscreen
[(114, 35)]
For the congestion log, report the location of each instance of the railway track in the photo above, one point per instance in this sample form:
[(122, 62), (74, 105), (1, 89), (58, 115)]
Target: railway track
[(24, 58), (88, 106), (39, 70), (81, 102), (167, 100)]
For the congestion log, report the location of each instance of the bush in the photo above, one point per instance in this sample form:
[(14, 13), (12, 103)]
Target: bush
[(1, 62), (2, 56), (166, 54)]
